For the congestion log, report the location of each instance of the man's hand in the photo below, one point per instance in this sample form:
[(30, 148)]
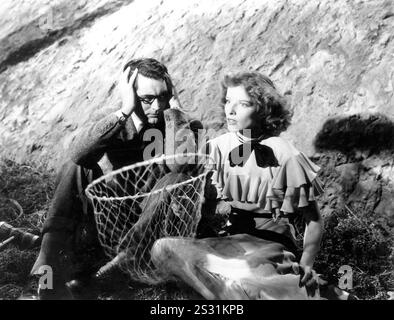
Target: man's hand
[(127, 91)]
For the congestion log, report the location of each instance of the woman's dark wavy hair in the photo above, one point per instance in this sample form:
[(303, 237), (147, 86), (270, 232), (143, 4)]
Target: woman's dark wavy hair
[(272, 107), (150, 68)]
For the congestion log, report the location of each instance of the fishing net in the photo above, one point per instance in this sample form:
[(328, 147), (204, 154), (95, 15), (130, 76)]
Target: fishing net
[(138, 204)]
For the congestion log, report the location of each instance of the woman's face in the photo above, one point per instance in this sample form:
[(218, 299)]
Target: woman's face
[(241, 113)]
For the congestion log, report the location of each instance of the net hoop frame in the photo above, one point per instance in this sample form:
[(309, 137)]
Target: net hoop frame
[(141, 164)]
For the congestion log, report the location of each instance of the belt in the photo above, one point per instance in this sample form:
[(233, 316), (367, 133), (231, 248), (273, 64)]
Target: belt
[(251, 214)]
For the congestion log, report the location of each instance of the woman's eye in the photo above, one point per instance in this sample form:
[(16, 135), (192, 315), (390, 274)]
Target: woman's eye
[(246, 104)]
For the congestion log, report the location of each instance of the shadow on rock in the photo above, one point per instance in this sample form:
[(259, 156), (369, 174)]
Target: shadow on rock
[(372, 133)]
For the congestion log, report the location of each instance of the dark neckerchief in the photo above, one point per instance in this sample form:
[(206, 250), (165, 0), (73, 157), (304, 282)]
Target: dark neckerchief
[(265, 156)]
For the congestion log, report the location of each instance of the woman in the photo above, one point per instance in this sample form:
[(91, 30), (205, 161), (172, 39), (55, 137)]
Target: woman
[(262, 180)]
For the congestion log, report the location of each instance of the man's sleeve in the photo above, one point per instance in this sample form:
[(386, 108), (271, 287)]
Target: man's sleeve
[(90, 145)]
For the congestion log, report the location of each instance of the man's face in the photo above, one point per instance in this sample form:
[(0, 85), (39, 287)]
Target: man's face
[(153, 97)]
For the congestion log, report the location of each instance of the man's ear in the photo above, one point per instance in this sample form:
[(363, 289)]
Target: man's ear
[(174, 101)]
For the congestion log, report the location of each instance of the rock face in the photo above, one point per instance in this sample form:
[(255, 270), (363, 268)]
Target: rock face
[(361, 186), (60, 61)]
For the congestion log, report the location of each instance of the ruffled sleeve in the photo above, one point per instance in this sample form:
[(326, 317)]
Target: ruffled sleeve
[(294, 185)]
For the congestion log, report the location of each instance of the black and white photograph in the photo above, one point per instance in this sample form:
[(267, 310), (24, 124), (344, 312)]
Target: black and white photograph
[(204, 150)]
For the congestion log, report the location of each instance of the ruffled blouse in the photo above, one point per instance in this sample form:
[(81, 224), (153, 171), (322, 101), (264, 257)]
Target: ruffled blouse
[(292, 184)]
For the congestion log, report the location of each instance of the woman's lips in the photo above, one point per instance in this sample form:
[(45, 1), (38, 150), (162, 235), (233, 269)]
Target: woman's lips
[(231, 121)]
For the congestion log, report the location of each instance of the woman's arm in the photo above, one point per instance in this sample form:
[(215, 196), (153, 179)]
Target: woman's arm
[(312, 238), (313, 234)]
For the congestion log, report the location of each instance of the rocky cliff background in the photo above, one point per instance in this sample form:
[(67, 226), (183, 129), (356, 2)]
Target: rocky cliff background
[(60, 61), (333, 60)]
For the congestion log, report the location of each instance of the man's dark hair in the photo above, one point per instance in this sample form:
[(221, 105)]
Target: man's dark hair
[(150, 68)]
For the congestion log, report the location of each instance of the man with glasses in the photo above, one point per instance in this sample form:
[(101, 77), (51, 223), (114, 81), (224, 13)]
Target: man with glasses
[(114, 141)]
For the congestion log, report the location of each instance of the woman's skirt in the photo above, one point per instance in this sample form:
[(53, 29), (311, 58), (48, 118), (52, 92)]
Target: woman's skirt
[(249, 263)]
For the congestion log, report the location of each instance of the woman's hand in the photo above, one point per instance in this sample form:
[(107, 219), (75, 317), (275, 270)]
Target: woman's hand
[(127, 91), (223, 208), (308, 277)]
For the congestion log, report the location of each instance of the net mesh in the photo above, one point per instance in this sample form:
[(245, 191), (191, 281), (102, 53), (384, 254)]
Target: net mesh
[(138, 204)]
